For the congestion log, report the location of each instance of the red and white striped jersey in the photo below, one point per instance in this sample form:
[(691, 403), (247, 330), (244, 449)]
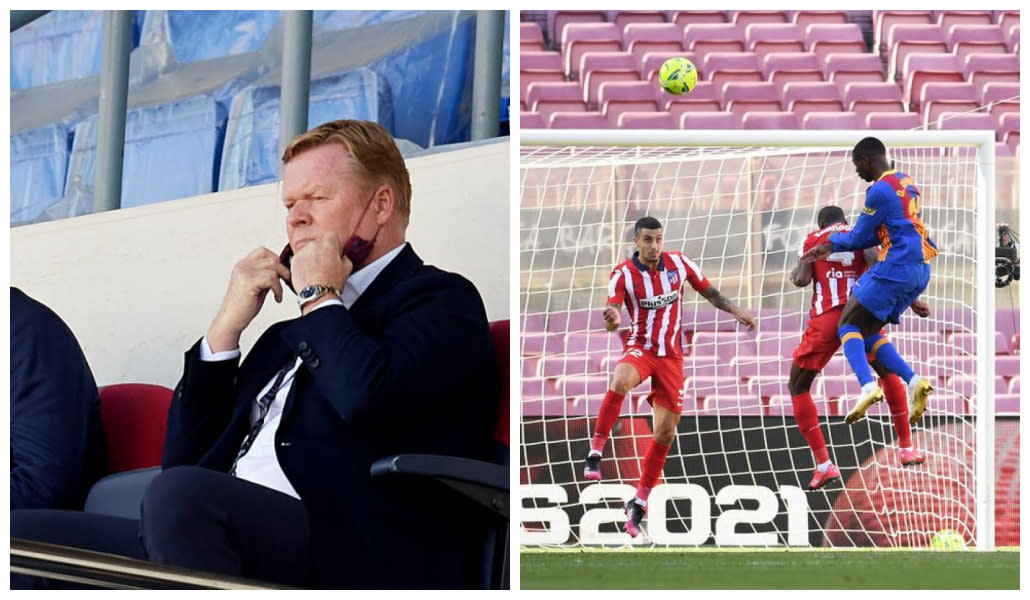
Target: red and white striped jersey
[(653, 300), (833, 276)]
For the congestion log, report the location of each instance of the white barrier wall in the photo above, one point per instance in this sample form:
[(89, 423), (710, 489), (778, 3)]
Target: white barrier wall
[(139, 286)]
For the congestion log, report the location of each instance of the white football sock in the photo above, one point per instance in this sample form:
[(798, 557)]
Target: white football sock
[(869, 388), (825, 466)]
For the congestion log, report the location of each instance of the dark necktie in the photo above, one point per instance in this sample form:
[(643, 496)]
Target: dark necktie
[(264, 403)]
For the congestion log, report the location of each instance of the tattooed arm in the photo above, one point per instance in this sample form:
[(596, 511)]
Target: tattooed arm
[(718, 300)]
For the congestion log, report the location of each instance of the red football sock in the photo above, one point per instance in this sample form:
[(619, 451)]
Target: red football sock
[(808, 422), (897, 400), (606, 417), (654, 462)]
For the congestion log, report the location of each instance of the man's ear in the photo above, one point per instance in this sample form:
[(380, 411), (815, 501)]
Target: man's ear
[(386, 204)]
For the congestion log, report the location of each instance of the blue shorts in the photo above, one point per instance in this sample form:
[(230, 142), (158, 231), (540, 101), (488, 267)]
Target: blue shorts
[(887, 290)]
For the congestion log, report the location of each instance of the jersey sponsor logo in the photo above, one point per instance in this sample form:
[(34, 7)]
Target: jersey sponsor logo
[(659, 301), (869, 210), (634, 352), (673, 277)]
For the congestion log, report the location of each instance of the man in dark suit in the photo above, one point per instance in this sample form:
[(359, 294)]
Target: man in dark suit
[(267, 461), (57, 440)]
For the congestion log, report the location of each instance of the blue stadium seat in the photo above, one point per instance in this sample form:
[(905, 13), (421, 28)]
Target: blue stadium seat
[(196, 36), (171, 151), (39, 164), (251, 154)]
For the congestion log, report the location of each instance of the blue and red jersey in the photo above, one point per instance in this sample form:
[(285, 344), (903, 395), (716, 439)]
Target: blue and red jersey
[(891, 218)]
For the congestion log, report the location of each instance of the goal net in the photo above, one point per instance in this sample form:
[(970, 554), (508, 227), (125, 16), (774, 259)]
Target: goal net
[(740, 204)]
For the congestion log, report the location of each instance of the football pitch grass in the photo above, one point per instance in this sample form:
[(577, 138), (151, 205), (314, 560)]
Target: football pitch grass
[(702, 569)]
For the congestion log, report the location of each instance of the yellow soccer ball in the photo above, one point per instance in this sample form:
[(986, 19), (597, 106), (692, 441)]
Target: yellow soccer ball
[(677, 75), (948, 540)]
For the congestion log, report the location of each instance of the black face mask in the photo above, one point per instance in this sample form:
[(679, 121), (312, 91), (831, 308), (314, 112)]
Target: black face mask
[(357, 248)]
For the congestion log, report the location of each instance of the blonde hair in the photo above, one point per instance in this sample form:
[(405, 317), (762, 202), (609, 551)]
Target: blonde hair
[(370, 146)]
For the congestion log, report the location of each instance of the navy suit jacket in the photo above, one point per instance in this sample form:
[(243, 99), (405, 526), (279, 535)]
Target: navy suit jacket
[(407, 369), (57, 439)]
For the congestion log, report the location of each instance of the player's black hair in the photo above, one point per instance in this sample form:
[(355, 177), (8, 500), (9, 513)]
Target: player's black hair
[(646, 223), (828, 215), (869, 146)]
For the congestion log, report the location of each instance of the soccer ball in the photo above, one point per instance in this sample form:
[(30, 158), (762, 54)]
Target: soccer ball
[(677, 75), (948, 539)]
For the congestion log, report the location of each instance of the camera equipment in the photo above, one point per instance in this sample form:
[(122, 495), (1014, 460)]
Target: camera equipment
[(1006, 256)]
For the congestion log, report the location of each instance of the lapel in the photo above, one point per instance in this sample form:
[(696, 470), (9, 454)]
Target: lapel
[(403, 266)]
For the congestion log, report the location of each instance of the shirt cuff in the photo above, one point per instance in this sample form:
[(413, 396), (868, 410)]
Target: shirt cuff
[(330, 302), (207, 355)]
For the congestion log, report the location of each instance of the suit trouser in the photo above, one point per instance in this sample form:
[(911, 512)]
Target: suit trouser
[(195, 518)]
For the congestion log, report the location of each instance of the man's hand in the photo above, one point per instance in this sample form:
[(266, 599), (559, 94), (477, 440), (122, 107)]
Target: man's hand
[(252, 278), (320, 262), (612, 318), (817, 253), (745, 318), (920, 308)]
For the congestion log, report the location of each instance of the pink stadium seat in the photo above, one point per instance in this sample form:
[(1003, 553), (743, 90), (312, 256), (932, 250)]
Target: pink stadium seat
[(837, 386), (530, 37), (985, 39), (535, 61), (945, 404), (1006, 18), (803, 18), (723, 344), (965, 343), (921, 68), (782, 406), (641, 38), (918, 345), (529, 366), (1001, 96), (706, 318), (832, 120), (544, 406), (535, 386), (778, 343), (592, 341), (708, 120), (864, 97), (1006, 365), (769, 120), (837, 367), (1015, 343), (912, 39), (533, 323), (625, 18), (740, 97), (596, 68), (1008, 128), (570, 386), (1002, 149), (946, 366), (701, 386), (965, 385), (801, 97), (1012, 39), (557, 365), (558, 19), (704, 98), (703, 38), (783, 320), (781, 67), (765, 386), (844, 68), (1006, 404), (530, 120), (583, 319), (580, 38), (763, 38), (938, 97), (825, 39), (948, 18), (617, 97), (651, 61), (694, 366), (682, 18), (746, 17), (548, 97), (527, 78), (722, 67), (983, 68), (1013, 385), (587, 120), (885, 20), (733, 405), (759, 366), (539, 343), (645, 120), (893, 120), (954, 120)]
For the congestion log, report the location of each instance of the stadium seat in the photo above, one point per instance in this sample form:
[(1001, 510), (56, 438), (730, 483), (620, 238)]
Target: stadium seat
[(965, 385), (954, 120), (570, 386), (702, 386), (740, 97), (763, 38), (984, 68), (580, 38), (625, 18), (682, 18), (801, 97), (723, 344), (1008, 128), (1006, 405), (134, 416), (781, 405), (584, 319), (864, 97), (704, 38), (616, 97), (1001, 96), (1015, 343), (937, 97), (824, 39), (694, 366), (534, 344), (945, 404), (844, 68), (708, 120), (556, 365), (531, 120), (832, 120), (1012, 39), (786, 321), (769, 120), (777, 343), (548, 97), (1014, 385), (598, 67), (745, 17), (1007, 19), (531, 37), (1006, 365), (581, 342), (781, 67), (885, 20), (748, 367), (485, 485), (908, 39), (921, 68), (968, 39), (803, 18), (765, 386), (645, 120), (719, 68), (946, 19), (585, 120), (641, 38), (652, 61), (837, 386), (893, 120), (732, 405), (39, 167), (558, 19)]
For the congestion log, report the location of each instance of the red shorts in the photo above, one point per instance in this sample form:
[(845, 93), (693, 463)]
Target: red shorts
[(666, 373), (820, 341)]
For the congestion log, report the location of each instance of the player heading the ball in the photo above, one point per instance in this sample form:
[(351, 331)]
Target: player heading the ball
[(832, 278), (891, 218), (650, 285)]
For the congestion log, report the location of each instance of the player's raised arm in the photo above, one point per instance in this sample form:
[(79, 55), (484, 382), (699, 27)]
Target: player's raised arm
[(718, 300)]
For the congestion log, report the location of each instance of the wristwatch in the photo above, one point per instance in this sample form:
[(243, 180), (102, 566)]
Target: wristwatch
[(313, 292)]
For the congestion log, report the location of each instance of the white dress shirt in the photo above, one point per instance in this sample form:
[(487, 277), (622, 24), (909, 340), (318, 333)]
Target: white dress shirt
[(260, 464)]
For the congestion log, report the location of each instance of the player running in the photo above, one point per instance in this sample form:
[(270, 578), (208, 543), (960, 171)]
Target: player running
[(649, 284), (832, 278), (891, 219)]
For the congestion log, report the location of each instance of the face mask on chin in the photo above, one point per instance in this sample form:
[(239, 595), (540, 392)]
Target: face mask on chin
[(358, 248)]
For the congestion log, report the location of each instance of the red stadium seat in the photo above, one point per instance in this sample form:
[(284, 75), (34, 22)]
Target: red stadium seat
[(587, 120), (682, 18), (722, 67), (740, 97), (845, 68), (938, 97), (778, 343), (1008, 128), (832, 120), (948, 18), (703, 38), (531, 37), (801, 97), (825, 39), (539, 66), (580, 38), (893, 120), (134, 417), (781, 67), (1006, 365), (641, 38), (912, 39), (803, 18), (954, 120), (558, 19), (763, 38), (921, 68), (1006, 404), (708, 120), (1002, 97)]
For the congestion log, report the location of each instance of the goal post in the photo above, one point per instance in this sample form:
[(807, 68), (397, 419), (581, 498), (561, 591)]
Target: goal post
[(739, 203)]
